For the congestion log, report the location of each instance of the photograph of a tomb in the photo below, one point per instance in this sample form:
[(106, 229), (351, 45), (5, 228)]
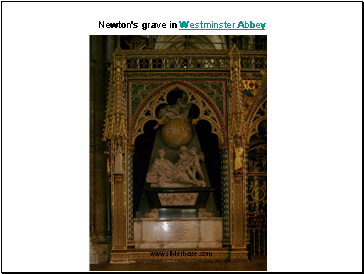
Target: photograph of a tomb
[(178, 148)]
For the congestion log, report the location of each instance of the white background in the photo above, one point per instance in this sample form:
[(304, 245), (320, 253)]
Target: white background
[(315, 127)]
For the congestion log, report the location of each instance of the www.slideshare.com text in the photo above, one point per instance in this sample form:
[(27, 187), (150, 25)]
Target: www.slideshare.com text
[(179, 254)]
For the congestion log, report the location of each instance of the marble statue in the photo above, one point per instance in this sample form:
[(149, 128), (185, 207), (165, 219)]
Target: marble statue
[(161, 170), (195, 162), (164, 173), (119, 163), (238, 156), (179, 110)]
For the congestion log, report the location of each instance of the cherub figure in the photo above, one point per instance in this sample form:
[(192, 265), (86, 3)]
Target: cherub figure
[(179, 110), (195, 163)]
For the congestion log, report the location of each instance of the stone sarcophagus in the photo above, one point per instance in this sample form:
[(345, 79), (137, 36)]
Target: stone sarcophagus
[(178, 197)]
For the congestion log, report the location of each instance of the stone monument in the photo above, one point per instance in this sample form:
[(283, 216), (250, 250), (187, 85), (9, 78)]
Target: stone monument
[(177, 187), (181, 174)]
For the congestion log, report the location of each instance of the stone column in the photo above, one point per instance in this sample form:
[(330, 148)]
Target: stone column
[(116, 130), (239, 213), (92, 133), (237, 179), (118, 216), (245, 181), (98, 169), (110, 45), (129, 180), (225, 193), (97, 156)]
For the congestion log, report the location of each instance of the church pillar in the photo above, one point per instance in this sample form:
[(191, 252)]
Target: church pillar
[(239, 226), (97, 166), (92, 135), (98, 180), (129, 180), (237, 159), (225, 193), (118, 202), (109, 47), (115, 132), (245, 182)]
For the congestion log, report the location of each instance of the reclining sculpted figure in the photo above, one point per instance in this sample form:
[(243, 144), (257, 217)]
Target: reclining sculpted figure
[(164, 173)]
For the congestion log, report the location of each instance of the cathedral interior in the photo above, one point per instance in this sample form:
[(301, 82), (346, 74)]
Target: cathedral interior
[(136, 82)]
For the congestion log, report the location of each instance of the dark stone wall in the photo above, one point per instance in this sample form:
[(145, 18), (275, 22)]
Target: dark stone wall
[(101, 49)]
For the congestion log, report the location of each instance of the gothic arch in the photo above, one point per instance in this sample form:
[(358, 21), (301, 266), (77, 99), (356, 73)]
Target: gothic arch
[(258, 111), (254, 128), (208, 110)]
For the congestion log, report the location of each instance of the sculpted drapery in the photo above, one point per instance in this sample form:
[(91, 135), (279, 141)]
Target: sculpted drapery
[(164, 172)]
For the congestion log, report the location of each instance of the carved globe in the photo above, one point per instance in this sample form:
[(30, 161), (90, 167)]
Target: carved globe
[(176, 133)]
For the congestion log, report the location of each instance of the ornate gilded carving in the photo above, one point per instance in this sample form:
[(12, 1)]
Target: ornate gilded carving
[(224, 146), (108, 158), (139, 91), (178, 62), (225, 192), (215, 90), (239, 255), (118, 224), (257, 180), (247, 94), (115, 131), (168, 75), (115, 125), (235, 86), (130, 147), (258, 159), (255, 105), (236, 147), (257, 192), (261, 112), (238, 211), (238, 155), (208, 111)]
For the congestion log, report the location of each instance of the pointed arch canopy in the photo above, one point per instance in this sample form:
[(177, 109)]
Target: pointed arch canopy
[(208, 110)]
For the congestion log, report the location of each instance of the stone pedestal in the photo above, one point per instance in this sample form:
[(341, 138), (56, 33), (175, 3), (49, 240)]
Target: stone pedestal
[(178, 233), (93, 255)]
